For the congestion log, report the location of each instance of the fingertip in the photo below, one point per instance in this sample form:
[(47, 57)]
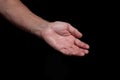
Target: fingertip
[(78, 34), (87, 46), (81, 54), (86, 51)]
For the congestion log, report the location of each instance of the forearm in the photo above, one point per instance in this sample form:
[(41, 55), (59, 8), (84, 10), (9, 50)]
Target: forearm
[(20, 15)]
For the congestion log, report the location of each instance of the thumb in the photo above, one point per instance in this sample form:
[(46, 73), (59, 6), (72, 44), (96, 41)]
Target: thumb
[(74, 31)]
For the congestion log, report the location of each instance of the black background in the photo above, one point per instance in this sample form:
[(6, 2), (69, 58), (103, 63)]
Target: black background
[(25, 55)]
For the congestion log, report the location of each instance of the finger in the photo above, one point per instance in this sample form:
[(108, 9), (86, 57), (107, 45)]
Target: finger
[(78, 51), (74, 31), (81, 44), (65, 51), (85, 51), (74, 50), (71, 50)]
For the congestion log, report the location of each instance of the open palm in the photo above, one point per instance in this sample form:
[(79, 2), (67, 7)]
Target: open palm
[(64, 38)]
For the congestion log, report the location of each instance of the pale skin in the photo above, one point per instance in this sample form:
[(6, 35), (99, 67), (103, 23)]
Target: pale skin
[(60, 35)]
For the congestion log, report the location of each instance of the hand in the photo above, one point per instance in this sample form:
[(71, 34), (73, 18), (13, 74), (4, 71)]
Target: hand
[(64, 38)]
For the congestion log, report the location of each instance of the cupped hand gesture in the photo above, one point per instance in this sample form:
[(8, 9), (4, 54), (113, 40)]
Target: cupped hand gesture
[(65, 38)]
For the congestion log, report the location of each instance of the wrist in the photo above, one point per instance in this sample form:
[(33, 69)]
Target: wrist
[(39, 28)]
